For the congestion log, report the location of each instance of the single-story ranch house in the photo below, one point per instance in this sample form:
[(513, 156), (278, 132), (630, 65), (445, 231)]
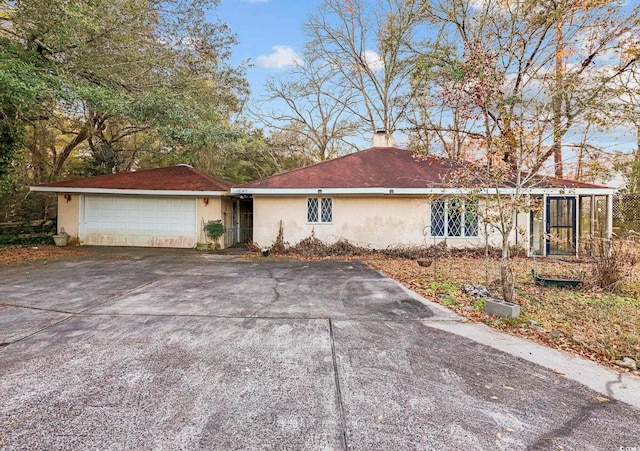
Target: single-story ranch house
[(165, 207), (380, 197)]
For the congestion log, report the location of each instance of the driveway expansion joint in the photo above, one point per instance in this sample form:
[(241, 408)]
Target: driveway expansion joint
[(41, 309), (343, 422)]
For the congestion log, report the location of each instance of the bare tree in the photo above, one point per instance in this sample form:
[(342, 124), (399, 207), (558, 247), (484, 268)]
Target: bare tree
[(547, 61), (623, 110), (312, 106), (370, 47)]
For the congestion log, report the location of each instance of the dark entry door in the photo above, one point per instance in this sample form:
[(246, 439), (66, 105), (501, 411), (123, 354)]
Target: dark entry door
[(561, 225)]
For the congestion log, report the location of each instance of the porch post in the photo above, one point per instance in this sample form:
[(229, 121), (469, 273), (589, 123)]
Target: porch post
[(576, 212), (609, 216), (544, 225), (236, 219), (527, 235)]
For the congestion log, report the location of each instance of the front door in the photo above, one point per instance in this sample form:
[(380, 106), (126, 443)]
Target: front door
[(561, 225)]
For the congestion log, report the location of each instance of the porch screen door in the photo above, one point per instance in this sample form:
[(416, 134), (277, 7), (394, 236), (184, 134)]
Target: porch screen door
[(561, 225)]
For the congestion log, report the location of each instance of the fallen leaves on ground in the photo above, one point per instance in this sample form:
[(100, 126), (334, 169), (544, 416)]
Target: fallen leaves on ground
[(592, 323), (17, 255)]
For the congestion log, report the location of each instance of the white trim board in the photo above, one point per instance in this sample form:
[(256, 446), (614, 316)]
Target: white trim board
[(421, 191), (139, 192)]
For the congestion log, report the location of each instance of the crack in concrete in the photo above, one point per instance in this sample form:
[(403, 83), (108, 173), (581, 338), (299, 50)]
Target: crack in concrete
[(336, 376), (276, 296)]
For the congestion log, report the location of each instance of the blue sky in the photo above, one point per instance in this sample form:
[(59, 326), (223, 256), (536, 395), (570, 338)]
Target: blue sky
[(269, 31), (270, 36)]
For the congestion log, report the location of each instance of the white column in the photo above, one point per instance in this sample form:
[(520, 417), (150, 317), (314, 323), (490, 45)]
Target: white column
[(544, 225), (577, 230), (609, 216)]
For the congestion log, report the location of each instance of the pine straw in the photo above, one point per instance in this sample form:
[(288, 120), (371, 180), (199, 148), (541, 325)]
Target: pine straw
[(590, 322), (17, 255)]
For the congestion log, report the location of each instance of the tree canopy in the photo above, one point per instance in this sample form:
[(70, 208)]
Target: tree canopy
[(96, 74)]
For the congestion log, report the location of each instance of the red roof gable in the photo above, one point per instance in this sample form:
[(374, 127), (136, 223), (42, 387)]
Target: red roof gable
[(174, 178), (382, 167)]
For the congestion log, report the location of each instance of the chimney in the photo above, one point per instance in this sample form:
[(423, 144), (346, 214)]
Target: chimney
[(382, 138)]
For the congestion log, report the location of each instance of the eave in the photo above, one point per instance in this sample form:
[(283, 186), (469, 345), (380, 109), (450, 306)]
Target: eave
[(138, 192), (563, 191)]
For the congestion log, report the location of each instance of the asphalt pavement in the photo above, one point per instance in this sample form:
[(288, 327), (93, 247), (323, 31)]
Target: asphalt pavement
[(161, 349)]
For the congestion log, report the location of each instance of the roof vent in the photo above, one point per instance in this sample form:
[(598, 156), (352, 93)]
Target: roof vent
[(382, 138)]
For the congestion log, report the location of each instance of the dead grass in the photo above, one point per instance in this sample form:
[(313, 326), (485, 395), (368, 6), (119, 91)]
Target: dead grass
[(17, 255), (591, 322)]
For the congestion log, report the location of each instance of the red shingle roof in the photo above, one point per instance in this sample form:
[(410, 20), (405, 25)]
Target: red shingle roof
[(382, 167), (173, 178)]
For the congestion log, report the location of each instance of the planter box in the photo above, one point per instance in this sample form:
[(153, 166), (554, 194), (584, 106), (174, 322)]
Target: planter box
[(551, 281), (61, 239), (499, 307)]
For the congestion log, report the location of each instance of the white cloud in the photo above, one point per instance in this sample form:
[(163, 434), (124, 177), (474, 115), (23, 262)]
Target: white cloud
[(282, 56), (373, 60)]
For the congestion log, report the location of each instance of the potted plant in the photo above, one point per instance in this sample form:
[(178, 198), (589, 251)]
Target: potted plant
[(214, 230)]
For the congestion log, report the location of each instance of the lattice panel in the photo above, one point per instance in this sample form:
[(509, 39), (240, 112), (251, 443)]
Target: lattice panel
[(455, 219), (437, 218), (471, 219), (327, 210), (312, 210)]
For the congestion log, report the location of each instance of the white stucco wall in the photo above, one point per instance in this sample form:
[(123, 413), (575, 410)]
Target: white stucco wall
[(69, 215), (210, 209), (373, 221)]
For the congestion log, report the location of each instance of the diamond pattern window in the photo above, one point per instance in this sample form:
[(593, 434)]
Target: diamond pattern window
[(319, 210), (454, 218), (326, 212), (471, 218), (438, 218)]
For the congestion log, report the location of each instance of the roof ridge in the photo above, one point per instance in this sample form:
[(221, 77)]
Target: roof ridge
[(319, 163), (205, 176), (100, 176)]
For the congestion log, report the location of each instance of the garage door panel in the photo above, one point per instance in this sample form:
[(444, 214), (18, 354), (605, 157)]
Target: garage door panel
[(139, 221)]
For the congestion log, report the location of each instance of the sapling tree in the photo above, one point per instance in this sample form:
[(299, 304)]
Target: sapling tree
[(506, 67)]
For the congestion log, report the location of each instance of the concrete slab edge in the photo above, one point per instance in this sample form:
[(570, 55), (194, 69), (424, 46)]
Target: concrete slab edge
[(611, 384), (441, 313)]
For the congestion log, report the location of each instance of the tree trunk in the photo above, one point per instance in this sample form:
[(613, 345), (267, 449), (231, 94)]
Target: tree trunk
[(634, 179), (557, 106), (82, 135), (506, 271)]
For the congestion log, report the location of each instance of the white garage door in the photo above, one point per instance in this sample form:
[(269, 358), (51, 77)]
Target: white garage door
[(138, 221)]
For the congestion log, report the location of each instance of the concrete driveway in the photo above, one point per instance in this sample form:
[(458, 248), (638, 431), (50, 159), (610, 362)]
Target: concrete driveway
[(139, 349)]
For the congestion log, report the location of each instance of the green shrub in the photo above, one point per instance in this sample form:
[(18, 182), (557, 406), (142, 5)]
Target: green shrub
[(214, 229), (27, 233)]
